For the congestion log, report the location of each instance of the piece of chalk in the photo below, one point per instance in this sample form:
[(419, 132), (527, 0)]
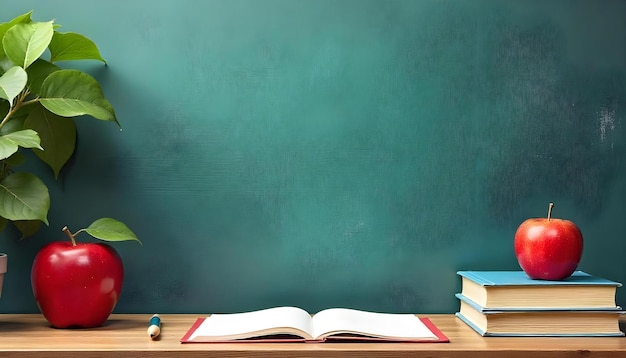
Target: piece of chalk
[(154, 327)]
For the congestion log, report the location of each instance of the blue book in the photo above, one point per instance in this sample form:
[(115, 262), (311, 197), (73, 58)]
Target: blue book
[(502, 290), (540, 323)]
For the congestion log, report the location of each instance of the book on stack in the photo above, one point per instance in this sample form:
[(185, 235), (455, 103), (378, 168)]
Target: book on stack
[(509, 303)]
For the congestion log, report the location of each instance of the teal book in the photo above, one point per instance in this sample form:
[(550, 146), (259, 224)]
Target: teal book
[(514, 290), (539, 323)]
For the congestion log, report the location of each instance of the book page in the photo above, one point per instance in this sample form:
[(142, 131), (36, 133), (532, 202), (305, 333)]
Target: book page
[(279, 320), (381, 325)]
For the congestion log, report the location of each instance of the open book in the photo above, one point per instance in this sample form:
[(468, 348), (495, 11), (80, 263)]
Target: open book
[(287, 324)]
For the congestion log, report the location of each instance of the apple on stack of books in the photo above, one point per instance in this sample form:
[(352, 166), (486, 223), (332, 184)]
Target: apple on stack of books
[(547, 298)]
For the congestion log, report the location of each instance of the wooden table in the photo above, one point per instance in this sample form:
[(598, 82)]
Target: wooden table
[(124, 335)]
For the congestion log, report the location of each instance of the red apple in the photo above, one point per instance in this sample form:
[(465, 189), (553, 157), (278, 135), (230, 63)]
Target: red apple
[(548, 248), (77, 284)]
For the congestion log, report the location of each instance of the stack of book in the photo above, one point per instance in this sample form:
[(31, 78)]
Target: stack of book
[(509, 303)]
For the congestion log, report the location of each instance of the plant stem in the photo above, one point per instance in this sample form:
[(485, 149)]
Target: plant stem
[(71, 236), (19, 102), (550, 210)]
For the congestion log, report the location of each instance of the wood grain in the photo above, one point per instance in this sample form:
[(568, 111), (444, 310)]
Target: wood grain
[(124, 335)]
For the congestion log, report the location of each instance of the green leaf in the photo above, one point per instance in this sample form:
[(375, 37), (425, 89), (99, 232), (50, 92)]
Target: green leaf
[(22, 19), (10, 143), (57, 135), (71, 93), (72, 46), (38, 72), (5, 64), (16, 123), (23, 196), (24, 43), (108, 229), (28, 228), (3, 223), (12, 82), (15, 160), (4, 109)]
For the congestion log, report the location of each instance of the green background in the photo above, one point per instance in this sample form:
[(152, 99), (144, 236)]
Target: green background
[(338, 153)]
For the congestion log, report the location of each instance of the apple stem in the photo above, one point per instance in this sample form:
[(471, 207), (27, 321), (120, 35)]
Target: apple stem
[(550, 210), (70, 235)]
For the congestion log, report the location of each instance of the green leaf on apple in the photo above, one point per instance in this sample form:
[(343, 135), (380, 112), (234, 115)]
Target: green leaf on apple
[(108, 229)]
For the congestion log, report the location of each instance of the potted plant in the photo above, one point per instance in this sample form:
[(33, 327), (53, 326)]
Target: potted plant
[(38, 103)]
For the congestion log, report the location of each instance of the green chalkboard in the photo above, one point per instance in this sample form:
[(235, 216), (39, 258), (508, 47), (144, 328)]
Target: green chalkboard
[(346, 153)]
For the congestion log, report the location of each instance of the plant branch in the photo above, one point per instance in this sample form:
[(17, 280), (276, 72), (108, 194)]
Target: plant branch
[(19, 103)]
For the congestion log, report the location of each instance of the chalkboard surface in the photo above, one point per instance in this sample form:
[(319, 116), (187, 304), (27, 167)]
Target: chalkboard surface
[(348, 153)]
